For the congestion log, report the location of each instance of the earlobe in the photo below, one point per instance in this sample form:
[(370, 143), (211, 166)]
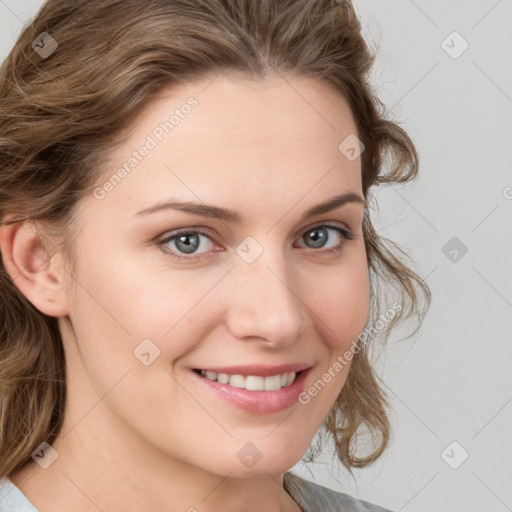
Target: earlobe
[(32, 261)]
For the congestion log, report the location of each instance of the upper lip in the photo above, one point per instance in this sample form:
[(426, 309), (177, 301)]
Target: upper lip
[(258, 370)]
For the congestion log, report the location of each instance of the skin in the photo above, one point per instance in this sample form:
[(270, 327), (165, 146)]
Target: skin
[(153, 437)]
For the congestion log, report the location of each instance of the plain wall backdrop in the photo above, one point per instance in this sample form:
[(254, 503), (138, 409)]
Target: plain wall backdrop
[(443, 71)]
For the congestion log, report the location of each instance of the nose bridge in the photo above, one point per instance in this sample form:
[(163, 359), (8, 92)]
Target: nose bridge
[(264, 303)]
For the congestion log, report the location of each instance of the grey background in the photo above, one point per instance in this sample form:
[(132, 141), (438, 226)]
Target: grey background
[(451, 381)]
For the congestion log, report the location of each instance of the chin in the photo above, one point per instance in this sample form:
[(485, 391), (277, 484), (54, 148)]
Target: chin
[(251, 462), (261, 469)]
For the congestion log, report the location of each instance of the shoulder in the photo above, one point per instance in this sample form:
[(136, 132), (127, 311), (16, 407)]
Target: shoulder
[(312, 497), (12, 499)]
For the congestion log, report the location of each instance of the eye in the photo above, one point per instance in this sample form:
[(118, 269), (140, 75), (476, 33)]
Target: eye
[(318, 236), (187, 243)]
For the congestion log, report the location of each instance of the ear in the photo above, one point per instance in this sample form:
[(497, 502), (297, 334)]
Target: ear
[(34, 264)]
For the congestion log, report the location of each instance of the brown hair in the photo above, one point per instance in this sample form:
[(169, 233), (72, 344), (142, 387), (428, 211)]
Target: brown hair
[(61, 114)]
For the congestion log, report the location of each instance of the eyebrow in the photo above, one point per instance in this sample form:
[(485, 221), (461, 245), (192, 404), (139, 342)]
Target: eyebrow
[(234, 216)]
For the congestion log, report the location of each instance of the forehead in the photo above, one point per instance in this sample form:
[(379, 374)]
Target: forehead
[(239, 108), (238, 137)]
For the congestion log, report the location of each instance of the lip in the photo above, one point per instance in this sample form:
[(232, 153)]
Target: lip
[(258, 402)]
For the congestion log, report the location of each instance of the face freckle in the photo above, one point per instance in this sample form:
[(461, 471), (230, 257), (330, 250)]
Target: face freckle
[(261, 294)]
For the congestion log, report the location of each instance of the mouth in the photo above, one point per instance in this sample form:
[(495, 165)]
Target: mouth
[(251, 382), (276, 391)]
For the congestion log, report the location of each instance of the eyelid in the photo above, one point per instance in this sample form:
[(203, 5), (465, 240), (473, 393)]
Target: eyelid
[(328, 224), (212, 233), (202, 230)]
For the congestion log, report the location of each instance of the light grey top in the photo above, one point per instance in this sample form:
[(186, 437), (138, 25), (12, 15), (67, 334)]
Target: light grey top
[(310, 497), (12, 499)]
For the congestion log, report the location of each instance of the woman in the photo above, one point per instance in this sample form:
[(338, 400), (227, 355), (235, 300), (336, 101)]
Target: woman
[(191, 283)]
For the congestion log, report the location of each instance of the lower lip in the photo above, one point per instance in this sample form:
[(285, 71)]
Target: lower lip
[(259, 402)]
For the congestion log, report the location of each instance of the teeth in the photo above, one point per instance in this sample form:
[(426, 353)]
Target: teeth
[(223, 378), (272, 383), (252, 382), (237, 381)]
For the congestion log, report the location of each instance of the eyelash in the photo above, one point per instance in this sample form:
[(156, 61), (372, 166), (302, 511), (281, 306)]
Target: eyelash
[(346, 235)]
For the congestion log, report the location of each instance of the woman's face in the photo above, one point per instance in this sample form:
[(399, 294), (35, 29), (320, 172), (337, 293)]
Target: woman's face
[(260, 292)]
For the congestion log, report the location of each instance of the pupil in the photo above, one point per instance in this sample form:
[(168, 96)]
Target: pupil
[(318, 238), (188, 247)]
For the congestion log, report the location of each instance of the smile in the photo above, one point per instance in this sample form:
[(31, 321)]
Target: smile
[(265, 393)]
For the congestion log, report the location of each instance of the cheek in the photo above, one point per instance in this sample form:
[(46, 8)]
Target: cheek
[(341, 301), (340, 305), (124, 317), (122, 302), (135, 298)]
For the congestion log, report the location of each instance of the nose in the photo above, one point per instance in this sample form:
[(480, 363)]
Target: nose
[(264, 305)]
